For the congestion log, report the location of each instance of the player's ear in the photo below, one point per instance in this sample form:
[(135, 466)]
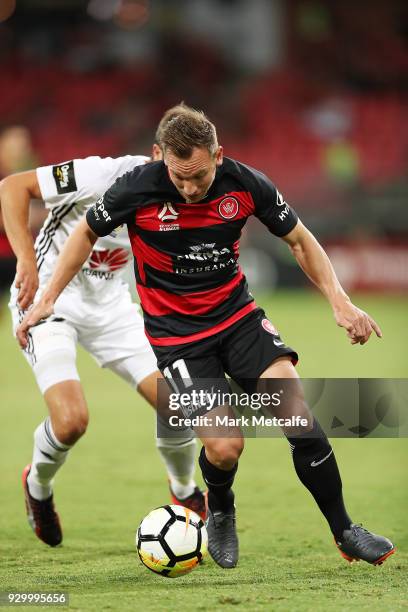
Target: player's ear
[(157, 153), (219, 156)]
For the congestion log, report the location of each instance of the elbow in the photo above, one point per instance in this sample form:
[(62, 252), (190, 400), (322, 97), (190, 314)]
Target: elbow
[(6, 185), (297, 249), (89, 234), (3, 186), (7, 182)]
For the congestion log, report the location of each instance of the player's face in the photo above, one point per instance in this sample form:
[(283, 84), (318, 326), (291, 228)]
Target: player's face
[(193, 177)]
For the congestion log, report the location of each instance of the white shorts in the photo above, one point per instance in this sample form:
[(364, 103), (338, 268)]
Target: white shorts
[(112, 333)]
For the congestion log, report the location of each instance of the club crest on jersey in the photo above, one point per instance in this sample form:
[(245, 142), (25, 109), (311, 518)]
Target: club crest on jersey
[(267, 325), (228, 208)]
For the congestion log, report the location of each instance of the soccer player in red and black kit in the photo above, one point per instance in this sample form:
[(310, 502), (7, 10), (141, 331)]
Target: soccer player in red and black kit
[(184, 218)]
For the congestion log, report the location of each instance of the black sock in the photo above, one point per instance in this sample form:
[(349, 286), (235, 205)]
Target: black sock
[(219, 483), (316, 466)]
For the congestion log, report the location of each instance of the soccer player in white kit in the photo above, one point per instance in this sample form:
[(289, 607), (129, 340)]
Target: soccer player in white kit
[(95, 310)]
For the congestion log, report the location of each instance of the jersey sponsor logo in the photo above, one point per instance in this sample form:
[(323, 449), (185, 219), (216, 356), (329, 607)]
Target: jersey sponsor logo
[(228, 208), (99, 207), (282, 215), (279, 199), (98, 274), (108, 261), (267, 325), (204, 253), (64, 177)]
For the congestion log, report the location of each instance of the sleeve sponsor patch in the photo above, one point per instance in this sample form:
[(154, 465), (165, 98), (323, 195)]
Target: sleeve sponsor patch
[(64, 177), (99, 207)]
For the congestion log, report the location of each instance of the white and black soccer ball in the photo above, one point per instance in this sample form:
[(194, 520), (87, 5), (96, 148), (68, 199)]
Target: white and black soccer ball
[(171, 540)]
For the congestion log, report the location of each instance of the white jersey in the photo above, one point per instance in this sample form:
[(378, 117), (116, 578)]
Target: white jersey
[(95, 309), (68, 190)]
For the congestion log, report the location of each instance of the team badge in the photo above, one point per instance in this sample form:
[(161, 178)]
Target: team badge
[(228, 208), (267, 325)]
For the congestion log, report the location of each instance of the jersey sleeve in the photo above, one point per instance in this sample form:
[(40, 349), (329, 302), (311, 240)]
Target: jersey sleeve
[(116, 207), (271, 208), (82, 180)]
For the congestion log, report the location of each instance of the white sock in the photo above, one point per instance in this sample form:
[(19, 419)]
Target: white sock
[(178, 455), (48, 456)]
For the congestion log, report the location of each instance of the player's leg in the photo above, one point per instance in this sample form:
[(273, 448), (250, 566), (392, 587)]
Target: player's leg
[(317, 469), (197, 367), (254, 350), (52, 355), (116, 339), (55, 436), (219, 460), (178, 455), (219, 464), (313, 456)]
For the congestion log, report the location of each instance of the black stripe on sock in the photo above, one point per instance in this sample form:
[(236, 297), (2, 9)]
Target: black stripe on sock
[(51, 439)]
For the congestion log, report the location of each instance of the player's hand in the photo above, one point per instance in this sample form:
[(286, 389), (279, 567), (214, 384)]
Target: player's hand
[(358, 324), (42, 310), (27, 282)]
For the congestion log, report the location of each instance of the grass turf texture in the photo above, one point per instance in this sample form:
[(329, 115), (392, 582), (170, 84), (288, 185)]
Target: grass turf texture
[(114, 477)]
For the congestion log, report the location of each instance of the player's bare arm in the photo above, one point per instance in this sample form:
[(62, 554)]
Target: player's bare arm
[(16, 191), (315, 263), (75, 252)]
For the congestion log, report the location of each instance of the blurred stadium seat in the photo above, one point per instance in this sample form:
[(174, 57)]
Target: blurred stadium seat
[(328, 122)]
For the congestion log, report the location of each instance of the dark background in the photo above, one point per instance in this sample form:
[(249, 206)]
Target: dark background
[(312, 92)]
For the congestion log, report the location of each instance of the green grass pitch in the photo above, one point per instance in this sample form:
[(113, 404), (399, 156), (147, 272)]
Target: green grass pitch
[(114, 477)]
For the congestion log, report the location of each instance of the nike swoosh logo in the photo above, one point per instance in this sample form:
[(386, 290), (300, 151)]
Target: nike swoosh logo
[(278, 343), (316, 463)]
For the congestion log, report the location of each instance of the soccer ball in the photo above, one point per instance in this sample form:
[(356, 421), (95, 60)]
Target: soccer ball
[(171, 541)]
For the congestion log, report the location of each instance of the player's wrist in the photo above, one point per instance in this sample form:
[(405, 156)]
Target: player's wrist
[(339, 301), (49, 297), (27, 259)]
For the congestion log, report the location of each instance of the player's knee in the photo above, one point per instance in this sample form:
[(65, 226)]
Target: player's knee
[(71, 424), (70, 429), (68, 411), (225, 452)]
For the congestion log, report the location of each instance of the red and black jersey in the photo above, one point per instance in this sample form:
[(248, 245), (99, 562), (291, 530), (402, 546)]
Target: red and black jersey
[(186, 255)]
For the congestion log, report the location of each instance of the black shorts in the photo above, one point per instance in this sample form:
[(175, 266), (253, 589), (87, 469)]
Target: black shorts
[(243, 352)]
